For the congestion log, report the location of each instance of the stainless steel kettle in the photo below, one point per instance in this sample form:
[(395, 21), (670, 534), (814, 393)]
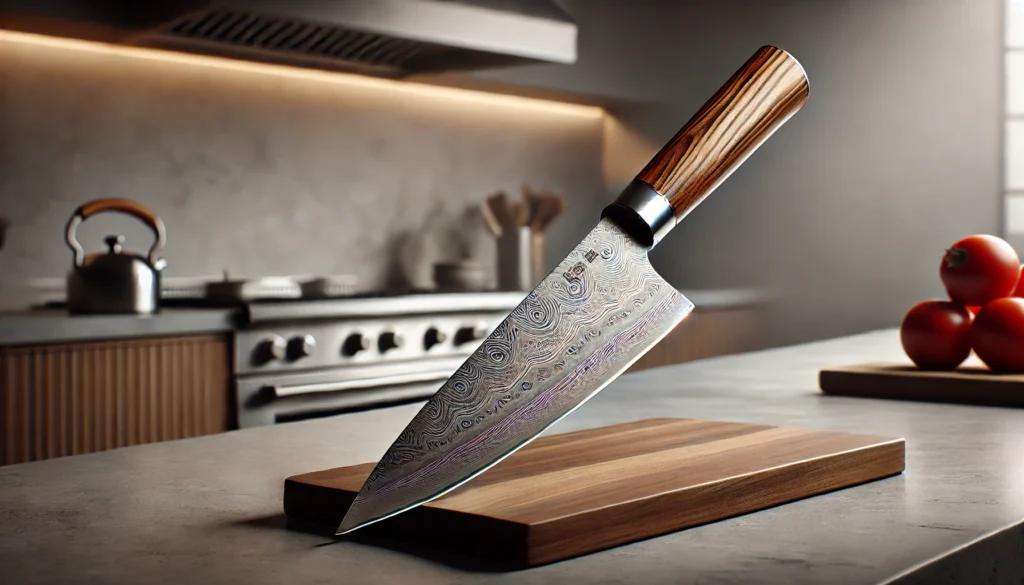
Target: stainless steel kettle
[(115, 281)]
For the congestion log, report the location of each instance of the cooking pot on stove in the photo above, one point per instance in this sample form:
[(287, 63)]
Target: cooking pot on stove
[(115, 281)]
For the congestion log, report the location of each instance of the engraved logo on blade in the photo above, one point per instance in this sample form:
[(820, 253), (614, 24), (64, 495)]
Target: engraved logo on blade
[(573, 277)]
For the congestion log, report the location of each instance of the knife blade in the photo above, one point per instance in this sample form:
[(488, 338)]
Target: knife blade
[(592, 317)]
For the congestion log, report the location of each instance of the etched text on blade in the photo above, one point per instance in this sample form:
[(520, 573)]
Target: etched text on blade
[(592, 316)]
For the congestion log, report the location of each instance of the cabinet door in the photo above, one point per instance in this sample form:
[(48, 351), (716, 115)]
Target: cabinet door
[(75, 398)]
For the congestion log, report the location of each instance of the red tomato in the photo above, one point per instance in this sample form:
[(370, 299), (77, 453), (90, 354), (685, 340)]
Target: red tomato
[(1019, 291), (978, 269), (936, 335), (998, 335)]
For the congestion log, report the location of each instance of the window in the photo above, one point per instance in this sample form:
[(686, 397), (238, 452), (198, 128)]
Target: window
[(1013, 134)]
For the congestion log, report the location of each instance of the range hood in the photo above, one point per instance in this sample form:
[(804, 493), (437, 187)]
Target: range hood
[(392, 38)]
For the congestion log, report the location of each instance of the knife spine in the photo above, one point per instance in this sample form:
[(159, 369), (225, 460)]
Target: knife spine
[(642, 212)]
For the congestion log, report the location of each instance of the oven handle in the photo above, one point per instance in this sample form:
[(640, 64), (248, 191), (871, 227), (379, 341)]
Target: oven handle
[(410, 378)]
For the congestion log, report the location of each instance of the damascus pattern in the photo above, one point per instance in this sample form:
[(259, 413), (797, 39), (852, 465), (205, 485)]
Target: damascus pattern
[(599, 311)]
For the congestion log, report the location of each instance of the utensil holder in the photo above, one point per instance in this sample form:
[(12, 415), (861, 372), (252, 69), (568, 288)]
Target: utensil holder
[(520, 259)]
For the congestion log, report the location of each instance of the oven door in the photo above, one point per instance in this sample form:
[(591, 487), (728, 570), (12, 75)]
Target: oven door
[(266, 400)]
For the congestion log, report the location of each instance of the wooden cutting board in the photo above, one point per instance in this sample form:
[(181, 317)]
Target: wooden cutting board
[(967, 385), (579, 492)]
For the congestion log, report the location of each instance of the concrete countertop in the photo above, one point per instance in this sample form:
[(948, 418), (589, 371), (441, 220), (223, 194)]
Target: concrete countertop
[(208, 510), (40, 326)]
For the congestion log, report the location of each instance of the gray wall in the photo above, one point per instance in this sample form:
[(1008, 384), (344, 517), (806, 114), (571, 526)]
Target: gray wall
[(845, 212), (843, 215), (263, 175)]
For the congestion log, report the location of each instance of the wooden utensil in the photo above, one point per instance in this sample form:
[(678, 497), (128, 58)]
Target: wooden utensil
[(490, 220), (538, 213), (512, 222), (549, 208), (533, 200), (501, 206), (967, 385), (576, 493), (523, 211)]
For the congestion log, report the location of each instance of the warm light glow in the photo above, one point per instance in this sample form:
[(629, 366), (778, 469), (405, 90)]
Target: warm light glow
[(342, 79)]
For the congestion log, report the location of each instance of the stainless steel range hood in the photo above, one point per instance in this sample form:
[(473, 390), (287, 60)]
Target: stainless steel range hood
[(391, 38)]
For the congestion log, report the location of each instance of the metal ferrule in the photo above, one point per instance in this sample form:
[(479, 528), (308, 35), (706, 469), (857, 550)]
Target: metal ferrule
[(643, 212)]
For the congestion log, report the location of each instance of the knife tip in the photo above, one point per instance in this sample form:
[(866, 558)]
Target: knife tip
[(352, 522), (359, 519), (346, 526)]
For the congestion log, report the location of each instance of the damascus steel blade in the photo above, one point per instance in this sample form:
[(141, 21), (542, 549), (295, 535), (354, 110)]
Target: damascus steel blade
[(599, 311)]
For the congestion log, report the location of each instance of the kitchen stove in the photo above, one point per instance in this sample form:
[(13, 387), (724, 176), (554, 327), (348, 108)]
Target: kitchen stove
[(296, 359), (312, 346)]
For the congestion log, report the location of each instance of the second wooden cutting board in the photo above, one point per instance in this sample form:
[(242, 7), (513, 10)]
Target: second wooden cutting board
[(970, 384), (575, 493)]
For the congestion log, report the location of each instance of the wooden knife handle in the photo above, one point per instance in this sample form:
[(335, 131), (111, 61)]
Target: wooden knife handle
[(757, 99)]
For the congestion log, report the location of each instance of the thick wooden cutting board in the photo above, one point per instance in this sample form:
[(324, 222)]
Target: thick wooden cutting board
[(575, 493), (967, 385)]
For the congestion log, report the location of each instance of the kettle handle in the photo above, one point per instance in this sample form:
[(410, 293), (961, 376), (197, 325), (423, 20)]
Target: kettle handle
[(126, 206)]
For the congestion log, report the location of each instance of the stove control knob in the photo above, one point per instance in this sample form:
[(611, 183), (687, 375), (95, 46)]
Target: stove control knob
[(301, 346), (434, 336), (389, 340), (354, 344), (270, 349), (469, 334)]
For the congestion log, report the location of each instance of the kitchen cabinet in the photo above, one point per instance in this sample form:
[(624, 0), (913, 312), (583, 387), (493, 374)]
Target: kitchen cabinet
[(80, 397)]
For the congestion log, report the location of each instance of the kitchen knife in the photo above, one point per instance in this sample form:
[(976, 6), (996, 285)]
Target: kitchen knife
[(599, 311)]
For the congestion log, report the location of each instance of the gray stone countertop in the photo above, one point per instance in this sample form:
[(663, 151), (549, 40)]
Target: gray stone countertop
[(208, 510), (40, 326), (55, 325)]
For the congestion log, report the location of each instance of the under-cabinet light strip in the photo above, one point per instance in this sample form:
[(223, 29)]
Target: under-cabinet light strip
[(337, 78)]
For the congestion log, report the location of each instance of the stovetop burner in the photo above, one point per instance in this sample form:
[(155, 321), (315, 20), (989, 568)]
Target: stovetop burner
[(227, 302), (277, 299), (247, 289), (289, 290)]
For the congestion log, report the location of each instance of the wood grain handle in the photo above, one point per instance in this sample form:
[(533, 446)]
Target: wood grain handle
[(769, 88)]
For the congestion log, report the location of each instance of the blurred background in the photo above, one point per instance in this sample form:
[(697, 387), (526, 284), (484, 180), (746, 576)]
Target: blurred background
[(291, 147), (841, 218)]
